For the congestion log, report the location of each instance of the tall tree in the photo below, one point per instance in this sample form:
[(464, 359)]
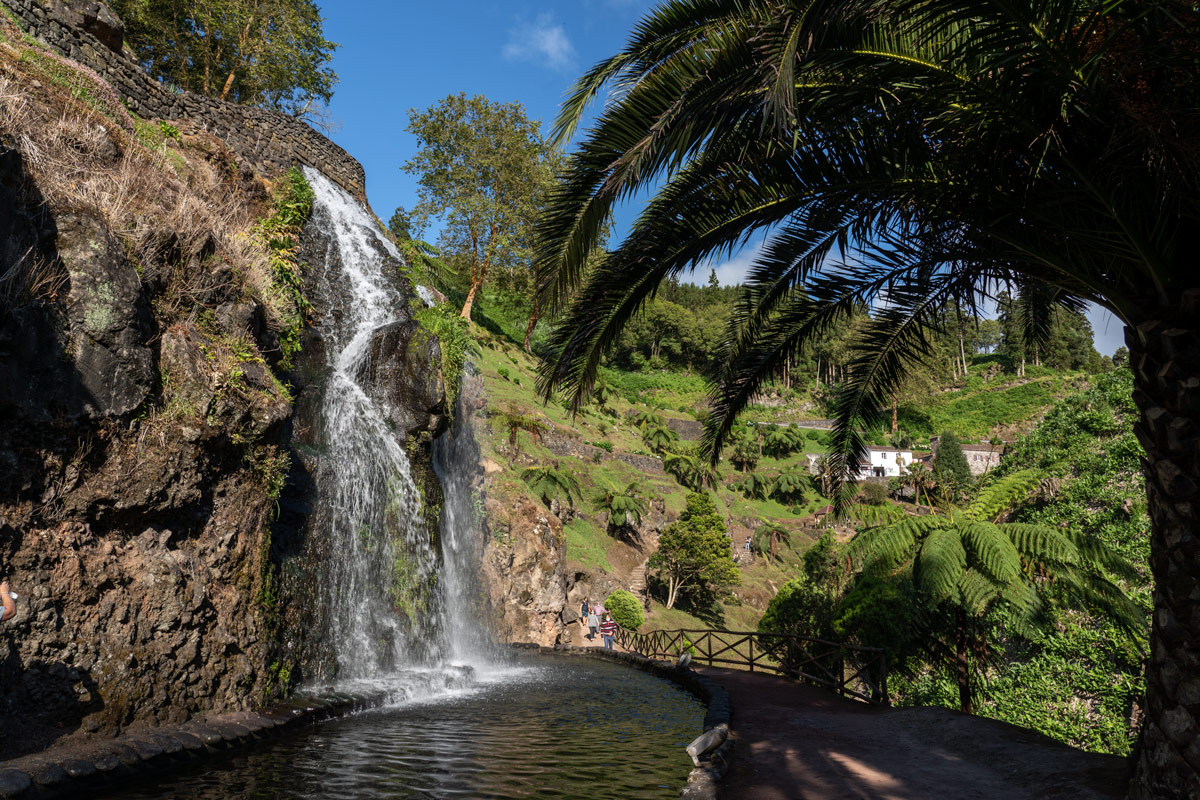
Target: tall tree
[(483, 170), (948, 149), (261, 52), (693, 552)]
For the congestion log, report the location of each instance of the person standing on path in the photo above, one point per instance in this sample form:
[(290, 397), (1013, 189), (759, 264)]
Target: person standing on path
[(608, 629), (583, 611), (593, 623)]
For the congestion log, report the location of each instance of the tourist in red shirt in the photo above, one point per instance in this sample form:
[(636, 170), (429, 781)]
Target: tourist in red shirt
[(608, 629)]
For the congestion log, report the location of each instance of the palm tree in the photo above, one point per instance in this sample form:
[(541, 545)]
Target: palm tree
[(754, 486), (690, 470), (790, 484), (745, 452), (779, 441), (549, 483), (963, 563), (901, 154), (649, 418), (659, 437), (516, 420), (767, 535), (602, 391), (625, 507)]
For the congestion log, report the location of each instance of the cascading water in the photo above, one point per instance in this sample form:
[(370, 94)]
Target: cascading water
[(456, 458), (384, 610)]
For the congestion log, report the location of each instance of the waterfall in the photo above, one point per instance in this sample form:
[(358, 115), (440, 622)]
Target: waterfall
[(401, 601), (381, 577), (456, 458)]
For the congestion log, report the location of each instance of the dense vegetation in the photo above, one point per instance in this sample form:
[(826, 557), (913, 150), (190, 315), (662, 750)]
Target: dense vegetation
[(260, 52)]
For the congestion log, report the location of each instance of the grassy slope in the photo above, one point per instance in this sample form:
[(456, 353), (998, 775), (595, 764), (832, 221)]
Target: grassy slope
[(982, 407)]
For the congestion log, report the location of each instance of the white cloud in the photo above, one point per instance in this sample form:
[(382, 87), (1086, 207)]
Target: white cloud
[(730, 272), (540, 42)]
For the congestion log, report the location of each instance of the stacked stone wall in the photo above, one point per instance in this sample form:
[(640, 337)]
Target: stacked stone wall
[(267, 140)]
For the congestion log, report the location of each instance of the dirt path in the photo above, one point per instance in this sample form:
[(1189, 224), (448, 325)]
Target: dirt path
[(801, 743)]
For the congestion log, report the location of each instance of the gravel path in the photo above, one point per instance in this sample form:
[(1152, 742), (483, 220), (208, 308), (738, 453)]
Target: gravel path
[(798, 742)]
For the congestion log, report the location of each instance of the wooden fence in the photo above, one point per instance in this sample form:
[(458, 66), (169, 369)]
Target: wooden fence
[(849, 670)]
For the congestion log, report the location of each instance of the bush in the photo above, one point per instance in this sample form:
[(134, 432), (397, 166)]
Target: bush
[(873, 494), (813, 435), (626, 609)]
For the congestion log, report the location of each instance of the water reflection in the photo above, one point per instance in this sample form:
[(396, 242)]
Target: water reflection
[(574, 729)]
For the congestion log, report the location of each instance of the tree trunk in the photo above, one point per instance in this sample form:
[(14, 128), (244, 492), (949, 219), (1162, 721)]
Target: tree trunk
[(962, 664), (466, 309), (1164, 355), (533, 320), (672, 591), (228, 85), (894, 416)]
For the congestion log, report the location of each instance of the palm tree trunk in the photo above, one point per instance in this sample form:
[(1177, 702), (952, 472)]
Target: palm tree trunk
[(962, 663), (1164, 355)]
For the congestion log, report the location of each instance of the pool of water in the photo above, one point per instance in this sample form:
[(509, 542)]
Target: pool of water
[(545, 727)]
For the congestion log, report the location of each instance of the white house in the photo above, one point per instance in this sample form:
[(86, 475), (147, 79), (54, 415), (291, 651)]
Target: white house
[(885, 462)]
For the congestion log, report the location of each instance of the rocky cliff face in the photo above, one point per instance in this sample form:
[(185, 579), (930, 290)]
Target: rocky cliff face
[(146, 434)]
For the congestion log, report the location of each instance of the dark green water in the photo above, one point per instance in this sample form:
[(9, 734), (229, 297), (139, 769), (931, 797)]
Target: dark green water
[(546, 728)]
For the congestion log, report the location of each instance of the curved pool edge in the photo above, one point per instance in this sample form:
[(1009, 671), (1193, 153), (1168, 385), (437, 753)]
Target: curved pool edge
[(78, 769), (703, 780)]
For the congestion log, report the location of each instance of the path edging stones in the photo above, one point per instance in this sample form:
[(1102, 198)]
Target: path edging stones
[(702, 781), (79, 770)]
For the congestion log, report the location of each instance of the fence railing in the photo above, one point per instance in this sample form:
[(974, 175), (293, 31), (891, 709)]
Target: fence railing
[(849, 670)]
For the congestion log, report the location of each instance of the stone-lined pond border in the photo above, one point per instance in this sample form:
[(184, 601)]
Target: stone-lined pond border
[(86, 768), (718, 719)]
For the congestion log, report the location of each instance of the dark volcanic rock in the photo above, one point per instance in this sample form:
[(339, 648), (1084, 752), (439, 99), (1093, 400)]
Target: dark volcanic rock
[(109, 317), (404, 372)]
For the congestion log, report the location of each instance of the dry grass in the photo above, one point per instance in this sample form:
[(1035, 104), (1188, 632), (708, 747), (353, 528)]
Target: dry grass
[(83, 161)]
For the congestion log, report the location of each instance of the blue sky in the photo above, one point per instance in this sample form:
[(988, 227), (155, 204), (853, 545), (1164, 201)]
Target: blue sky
[(400, 55)]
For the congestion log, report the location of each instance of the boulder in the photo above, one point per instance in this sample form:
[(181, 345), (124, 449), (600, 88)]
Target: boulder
[(403, 371)]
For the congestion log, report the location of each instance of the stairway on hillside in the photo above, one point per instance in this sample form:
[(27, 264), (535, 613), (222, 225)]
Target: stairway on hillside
[(637, 579)]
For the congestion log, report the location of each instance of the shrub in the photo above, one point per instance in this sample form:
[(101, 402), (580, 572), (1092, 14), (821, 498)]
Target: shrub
[(873, 494), (813, 435), (626, 609), (503, 372)]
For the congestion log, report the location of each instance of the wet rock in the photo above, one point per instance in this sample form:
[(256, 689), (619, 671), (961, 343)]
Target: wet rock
[(79, 768), (14, 783), (109, 317), (403, 371), (49, 775), (188, 740)]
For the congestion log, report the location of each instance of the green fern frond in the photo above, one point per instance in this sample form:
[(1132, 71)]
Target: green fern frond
[(991, 551), (976, 591), (994, 500), (1041, 543), (941, 564)]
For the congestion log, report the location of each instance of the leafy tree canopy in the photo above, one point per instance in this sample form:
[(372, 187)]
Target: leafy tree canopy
[(483, 170), (693, 553), (260, 52)]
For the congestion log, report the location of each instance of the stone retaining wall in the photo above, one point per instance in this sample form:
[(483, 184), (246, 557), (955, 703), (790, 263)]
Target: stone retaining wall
[(562, 445), (268, 141)]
